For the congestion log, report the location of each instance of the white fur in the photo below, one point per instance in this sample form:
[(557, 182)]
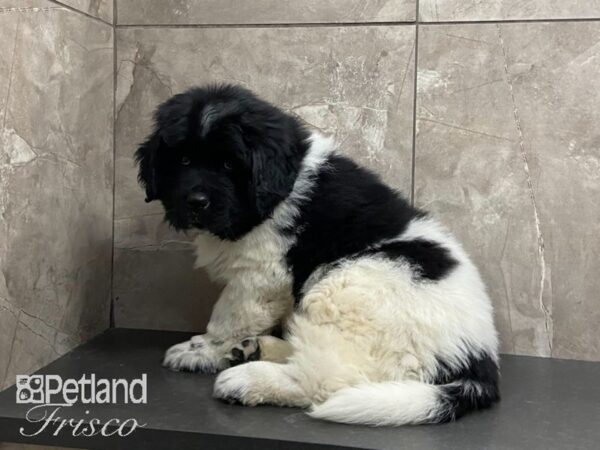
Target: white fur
[(398, 403), (366, 336), (257, 294), (260, 382), (320, 149)]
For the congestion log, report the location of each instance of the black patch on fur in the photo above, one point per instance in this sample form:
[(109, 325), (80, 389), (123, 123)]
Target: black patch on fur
[(470, 387), (277, 331), (428, 259), (349, 210), (239, 355)]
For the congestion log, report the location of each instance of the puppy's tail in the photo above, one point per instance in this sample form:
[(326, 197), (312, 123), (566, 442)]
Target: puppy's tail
[(406, 402)]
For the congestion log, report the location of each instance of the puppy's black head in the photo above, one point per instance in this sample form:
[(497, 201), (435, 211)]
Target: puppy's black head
[(220, 159)]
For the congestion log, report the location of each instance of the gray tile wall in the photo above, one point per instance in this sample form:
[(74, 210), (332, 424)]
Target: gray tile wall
[(502, 10), (56, 177), (506, 145), (152, 12), (507, 153), (101, 9)]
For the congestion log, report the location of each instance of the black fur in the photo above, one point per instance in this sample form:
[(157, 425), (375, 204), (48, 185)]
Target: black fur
[(429, 260), (240, 356), (472, 386), (226, 143), (350, 210)]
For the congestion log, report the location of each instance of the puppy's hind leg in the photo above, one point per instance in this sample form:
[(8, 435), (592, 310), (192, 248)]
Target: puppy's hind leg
[(261, 382), (263, 348)]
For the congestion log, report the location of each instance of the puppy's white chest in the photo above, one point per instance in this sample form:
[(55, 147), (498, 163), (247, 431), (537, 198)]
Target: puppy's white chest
[(262, 252)]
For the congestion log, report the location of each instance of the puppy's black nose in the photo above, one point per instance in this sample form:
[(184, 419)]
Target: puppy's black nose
[(198, 200)]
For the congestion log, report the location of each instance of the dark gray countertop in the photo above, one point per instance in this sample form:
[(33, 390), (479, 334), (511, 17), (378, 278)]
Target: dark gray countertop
[(546, 404)]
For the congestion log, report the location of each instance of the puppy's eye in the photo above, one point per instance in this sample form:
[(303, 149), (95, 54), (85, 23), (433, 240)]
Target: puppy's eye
[(227, 165), (185, 161)]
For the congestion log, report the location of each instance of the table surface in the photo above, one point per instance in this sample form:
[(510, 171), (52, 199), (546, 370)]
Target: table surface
[(546, 404)]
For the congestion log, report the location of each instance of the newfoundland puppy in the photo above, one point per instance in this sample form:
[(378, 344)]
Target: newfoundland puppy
[(386, 319)]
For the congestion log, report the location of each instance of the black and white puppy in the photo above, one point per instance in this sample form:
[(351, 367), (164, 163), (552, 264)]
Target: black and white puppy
[(387, 319)]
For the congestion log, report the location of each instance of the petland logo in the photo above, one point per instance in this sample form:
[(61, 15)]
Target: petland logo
[(50, 393)]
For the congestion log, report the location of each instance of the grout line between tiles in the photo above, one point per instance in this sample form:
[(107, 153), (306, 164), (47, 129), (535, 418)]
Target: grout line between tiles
[(502, 21), (358, 24), (269, 25), (414, 121), (111, 313), (78, 11)]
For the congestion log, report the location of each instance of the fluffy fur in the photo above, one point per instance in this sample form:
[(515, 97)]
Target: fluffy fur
[(387, 320)]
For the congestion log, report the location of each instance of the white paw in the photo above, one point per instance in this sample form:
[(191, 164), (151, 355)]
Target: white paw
[(195, 355), (235, 385)]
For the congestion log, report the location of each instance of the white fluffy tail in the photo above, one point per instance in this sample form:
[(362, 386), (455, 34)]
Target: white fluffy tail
[(406, 402), (394, 403)]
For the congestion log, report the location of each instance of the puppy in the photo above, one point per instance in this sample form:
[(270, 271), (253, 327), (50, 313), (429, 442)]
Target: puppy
[(387, 319)]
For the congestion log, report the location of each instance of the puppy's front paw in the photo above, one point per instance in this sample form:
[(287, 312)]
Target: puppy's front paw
[(234, 385), (195, 355)]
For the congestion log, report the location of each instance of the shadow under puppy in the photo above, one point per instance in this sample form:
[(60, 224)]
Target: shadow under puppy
[(387, 319)]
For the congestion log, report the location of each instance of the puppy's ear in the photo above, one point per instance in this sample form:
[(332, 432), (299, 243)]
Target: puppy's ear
[(274, 172), (173, 119), (146, 157)]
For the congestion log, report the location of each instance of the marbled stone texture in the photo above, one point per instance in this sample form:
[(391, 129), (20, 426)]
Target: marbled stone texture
[(554, 71), (508, 155), (55, 183), (263, 11), (353, 82), (481, 10), (102, 9), (10, 6)]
